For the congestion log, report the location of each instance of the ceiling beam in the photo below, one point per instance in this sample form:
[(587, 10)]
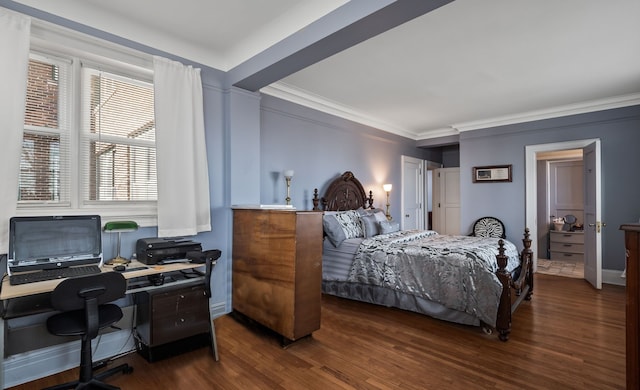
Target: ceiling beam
[(354, 22)]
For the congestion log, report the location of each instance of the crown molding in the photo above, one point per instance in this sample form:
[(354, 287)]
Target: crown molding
[(299, 96), (437, 133), (304, 98), (555, 112)]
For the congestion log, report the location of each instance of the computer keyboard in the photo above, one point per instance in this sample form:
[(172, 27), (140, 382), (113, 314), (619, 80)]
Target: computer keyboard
[(50, 274)]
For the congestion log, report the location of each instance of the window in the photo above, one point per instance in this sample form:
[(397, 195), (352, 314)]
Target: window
[(89, 136), (40, 164), (119, 137)]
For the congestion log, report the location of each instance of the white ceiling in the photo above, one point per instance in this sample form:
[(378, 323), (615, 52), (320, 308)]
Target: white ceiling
[(466, 65)]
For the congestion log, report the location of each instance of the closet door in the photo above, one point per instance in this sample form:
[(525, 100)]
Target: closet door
[(446, 200)]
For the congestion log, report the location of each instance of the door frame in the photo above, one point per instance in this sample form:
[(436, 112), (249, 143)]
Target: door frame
[(420, 187), (531, 190)]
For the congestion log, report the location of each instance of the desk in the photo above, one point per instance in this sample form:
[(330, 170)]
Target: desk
[(10, 292), (10, 295)]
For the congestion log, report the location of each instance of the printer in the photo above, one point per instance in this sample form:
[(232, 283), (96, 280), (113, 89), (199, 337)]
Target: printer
[(164, 250)]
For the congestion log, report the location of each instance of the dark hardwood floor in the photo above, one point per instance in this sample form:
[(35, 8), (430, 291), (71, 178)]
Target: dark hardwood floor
[(569, 336)]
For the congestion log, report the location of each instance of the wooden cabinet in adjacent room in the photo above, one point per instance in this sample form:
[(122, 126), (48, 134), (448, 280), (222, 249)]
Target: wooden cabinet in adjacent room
[(277, 269), (632, 244), (566, 245)]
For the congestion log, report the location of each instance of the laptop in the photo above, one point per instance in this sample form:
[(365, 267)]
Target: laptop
[(53, 242)]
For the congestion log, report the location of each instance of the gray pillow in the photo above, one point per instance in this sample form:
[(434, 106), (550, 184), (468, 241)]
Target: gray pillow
[(333, 230), (388, 227), (370, 225), (380, 215)]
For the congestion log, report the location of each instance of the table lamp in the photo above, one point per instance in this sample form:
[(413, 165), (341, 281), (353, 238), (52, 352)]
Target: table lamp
[(288, 175), (120, 227)]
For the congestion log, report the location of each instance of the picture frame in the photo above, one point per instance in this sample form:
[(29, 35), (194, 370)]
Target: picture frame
[(492, 174)]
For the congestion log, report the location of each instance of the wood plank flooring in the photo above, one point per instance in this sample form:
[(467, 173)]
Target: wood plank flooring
[(569, 336)]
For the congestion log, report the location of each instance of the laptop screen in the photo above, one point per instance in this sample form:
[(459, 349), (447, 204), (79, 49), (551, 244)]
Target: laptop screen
[(54, 242)]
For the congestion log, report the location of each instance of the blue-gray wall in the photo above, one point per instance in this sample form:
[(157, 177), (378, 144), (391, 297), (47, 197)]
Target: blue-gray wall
[(320, 147), (619, 132)]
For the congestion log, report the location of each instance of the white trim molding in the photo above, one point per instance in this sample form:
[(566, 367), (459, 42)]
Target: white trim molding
[(305, 98)]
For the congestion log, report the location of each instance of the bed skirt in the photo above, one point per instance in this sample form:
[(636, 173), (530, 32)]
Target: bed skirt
[(392, 298)]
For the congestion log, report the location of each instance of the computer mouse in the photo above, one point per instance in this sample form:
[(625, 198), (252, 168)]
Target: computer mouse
[(119, 268)]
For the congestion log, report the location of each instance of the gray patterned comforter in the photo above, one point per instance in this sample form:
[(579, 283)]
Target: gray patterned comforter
[(455, 271)]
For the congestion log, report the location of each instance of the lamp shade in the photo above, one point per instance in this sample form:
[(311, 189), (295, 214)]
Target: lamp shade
[(120, 226), (288, 173), (387, 187)]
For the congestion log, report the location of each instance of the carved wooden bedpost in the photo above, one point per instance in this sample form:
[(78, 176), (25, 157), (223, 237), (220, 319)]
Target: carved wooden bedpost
[(316, 199), (370, 200), (503, 320), (527, 261)]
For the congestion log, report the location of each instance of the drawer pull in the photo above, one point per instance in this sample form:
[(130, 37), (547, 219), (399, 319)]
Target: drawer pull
[(566, 235), (567, 245), (568, 254)]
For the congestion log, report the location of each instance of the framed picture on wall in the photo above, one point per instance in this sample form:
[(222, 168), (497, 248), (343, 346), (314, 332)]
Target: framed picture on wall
[(492, 174)]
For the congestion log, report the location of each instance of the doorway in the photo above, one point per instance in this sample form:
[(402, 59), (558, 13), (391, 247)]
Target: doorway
[(561, 198), (592, 194)]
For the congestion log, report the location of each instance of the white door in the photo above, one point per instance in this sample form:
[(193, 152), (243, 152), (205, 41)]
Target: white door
[(412, 194), (593, 220), (446, 200)]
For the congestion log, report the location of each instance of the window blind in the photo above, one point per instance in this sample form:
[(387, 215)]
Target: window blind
[(117, 138)]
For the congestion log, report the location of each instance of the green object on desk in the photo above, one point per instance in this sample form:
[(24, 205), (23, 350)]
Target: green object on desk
[(120, 227)]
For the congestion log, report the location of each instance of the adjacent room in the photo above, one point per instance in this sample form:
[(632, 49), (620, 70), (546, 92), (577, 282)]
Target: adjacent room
[(303, 194)]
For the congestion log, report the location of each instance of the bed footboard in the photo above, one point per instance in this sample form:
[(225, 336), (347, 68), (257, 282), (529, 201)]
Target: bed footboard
[(522, 285)]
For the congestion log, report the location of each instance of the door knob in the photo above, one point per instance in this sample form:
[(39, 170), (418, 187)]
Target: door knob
[(598, 225)]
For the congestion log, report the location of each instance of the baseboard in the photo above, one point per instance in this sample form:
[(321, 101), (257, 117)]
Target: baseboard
[(612, 276), (28, 366), (217, 309)]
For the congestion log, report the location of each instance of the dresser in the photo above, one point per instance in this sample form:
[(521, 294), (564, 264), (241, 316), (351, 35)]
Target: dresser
[(277, 269), (565, 245), (632, 244)]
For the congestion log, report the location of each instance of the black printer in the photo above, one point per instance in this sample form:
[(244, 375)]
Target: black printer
[(164, 250)]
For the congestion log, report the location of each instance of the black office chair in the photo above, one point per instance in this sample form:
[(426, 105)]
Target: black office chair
[(85, 309), (489, 227)]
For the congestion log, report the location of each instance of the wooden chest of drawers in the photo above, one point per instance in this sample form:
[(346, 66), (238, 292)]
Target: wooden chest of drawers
[(567, 245), (632, 244), (277, 269)]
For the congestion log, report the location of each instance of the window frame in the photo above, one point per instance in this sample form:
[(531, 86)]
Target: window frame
[(62, 44)]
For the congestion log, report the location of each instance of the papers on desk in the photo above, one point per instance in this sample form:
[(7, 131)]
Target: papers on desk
[(173, 261), (264, 206)]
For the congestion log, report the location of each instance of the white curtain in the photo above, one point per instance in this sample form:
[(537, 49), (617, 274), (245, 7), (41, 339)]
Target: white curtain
[(183, 175), (15, 30)]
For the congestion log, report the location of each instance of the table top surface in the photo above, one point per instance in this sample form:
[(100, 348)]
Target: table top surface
[(21, 290)]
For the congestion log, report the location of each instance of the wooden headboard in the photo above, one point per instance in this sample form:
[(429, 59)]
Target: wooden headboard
[(344, 193)]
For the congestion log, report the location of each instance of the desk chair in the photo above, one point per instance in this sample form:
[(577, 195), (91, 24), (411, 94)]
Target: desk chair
[(83, 303)]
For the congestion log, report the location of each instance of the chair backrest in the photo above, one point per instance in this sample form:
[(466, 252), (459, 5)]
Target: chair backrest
[(72, 293), (489, 227)]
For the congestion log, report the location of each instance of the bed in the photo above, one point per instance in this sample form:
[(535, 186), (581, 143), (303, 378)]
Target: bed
[(468, 280)]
